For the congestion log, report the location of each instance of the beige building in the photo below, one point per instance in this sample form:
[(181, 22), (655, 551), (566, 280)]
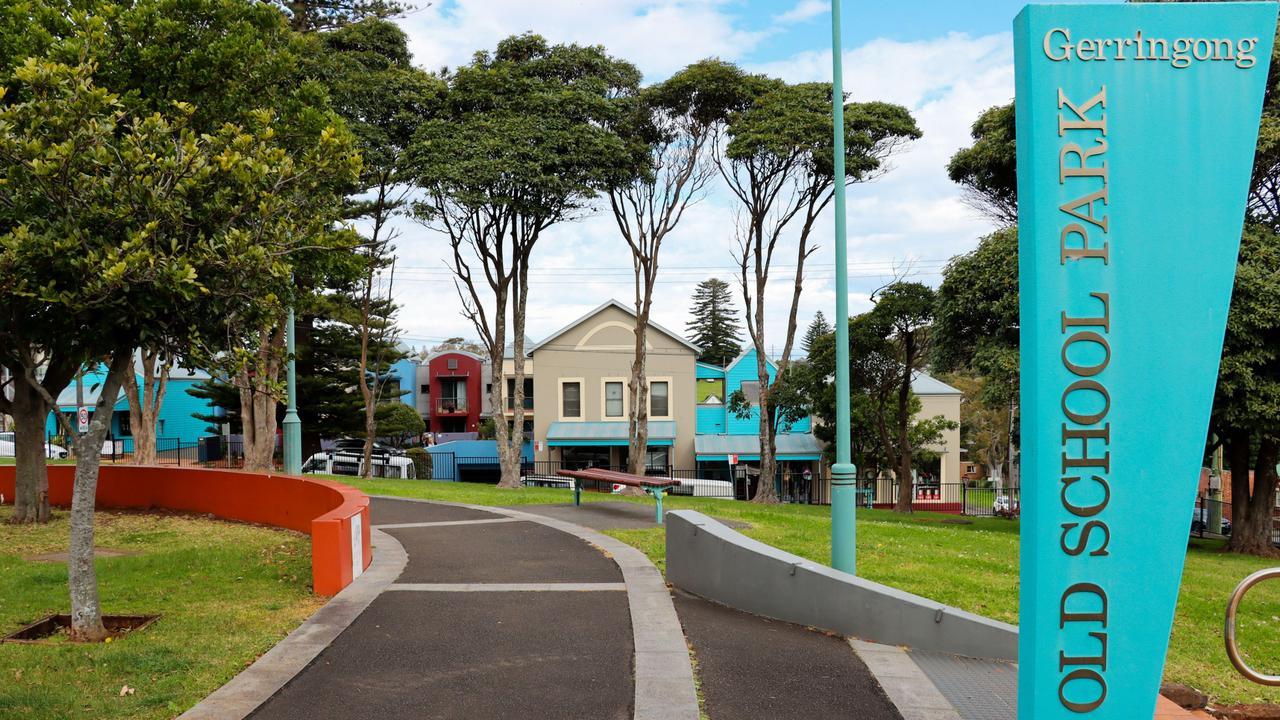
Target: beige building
[(939, 482), (582, 398)]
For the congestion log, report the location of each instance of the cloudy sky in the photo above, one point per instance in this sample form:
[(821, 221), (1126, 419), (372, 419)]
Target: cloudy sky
[(944, 60)]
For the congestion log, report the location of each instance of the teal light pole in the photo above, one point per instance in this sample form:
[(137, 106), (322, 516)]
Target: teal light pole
[(844, 476), (292, 423)]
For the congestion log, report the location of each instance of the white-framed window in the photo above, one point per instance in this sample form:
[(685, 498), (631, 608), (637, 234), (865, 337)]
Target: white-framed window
[(660, 398), (571, 398), (613, 398)]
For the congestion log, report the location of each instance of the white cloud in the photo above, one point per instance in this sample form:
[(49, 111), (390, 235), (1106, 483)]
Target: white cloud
[(804, 10), (659, 36), (908, 222)]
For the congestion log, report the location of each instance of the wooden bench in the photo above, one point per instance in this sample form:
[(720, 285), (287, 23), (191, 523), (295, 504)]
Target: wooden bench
[(653, 486)]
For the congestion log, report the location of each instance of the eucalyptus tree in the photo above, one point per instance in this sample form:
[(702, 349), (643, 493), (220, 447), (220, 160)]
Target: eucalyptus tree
[(779, 164), (526, 139), (672, 126)]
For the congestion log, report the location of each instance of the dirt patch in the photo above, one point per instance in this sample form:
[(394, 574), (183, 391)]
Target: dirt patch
[(64, 556), (48, 628), (1246, 712)]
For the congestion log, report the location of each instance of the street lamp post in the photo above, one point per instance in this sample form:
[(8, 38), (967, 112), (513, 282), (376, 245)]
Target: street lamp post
[(844, 476), (292, 423)]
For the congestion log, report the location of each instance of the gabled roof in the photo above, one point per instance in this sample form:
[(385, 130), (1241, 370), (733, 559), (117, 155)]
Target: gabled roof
[(750, 349), (924, 384), (465, 353), (623, 307)]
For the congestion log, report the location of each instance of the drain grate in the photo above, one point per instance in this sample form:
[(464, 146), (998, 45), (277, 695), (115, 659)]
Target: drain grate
[(977, 689)]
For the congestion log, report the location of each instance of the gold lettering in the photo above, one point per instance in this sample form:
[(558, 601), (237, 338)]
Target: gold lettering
[(1103, 322), (1073, 208), (1084, 251), (1083, 123)]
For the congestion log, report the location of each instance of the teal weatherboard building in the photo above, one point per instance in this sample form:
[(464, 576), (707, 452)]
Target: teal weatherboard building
[(176, 425)]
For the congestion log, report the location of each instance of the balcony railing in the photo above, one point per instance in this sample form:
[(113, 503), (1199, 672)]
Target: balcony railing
[(451, 406)]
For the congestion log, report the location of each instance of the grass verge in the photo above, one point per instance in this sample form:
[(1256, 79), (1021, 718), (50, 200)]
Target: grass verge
[(969, 563), (227, 592)]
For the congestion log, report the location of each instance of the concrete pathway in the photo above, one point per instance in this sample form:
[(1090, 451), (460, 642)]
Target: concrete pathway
[(500, 614), (752, 668)]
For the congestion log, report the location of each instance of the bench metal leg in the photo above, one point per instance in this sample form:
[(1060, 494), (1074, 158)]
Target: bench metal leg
[(657, 494)]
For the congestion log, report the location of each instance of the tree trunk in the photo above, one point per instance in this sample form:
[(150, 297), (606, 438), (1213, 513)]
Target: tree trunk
[(145, 404), (906, 484), (82, 578), (766, 491), (1252, 504), (511, 452), (638, 444), (31, 496), (258, 403)]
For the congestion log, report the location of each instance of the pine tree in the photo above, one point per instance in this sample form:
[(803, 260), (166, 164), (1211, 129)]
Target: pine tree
[(817, 329), (715, 327)]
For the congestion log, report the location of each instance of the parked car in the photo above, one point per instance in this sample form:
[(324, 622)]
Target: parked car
[(347, 458), (1200, 523), (7, 448), (1006, 506), (697, 487)]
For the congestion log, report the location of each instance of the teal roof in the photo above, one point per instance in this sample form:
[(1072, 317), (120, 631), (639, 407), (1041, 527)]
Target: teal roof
[(706, 371), (788, 444), (562, 431)]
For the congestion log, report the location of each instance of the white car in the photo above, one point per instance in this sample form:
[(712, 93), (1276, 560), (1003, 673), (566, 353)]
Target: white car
[(7, 448), (396, 467), (697, 487)]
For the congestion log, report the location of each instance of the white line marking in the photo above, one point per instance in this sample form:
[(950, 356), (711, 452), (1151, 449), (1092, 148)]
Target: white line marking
[(509, 587), (447, 523)]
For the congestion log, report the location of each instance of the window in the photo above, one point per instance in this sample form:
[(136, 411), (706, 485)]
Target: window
[(511, 394), (122, 418), (613, 399), (453, 364), (752, 391), (571, 400), (426, 389), (657, 459), (659, 405)]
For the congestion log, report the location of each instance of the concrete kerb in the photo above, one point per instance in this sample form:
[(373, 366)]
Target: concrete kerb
[(264, 678), (664, 685), (708, 559)]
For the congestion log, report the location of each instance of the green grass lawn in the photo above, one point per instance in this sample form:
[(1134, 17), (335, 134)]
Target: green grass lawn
[(973, 566), (226, 592)]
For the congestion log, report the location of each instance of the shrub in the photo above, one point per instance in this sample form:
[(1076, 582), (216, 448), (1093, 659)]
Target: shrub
[(421, 462)]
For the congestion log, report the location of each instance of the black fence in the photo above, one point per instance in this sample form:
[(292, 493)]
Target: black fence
[(1211, 518), (949, 498), (208, 452)]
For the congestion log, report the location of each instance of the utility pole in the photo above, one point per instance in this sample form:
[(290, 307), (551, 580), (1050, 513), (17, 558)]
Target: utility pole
[(844, 476), (292, 423)]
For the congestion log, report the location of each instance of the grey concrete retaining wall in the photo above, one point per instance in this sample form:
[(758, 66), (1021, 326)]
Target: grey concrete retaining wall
[(707, 558)]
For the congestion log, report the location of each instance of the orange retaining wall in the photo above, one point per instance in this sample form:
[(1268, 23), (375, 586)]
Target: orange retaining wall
[(327, 511)]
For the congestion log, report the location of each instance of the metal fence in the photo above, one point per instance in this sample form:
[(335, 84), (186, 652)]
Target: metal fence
[(208, 452), (1211, 517)]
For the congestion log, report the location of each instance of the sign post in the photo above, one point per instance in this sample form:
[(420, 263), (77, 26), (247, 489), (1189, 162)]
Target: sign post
[(1136, 127)]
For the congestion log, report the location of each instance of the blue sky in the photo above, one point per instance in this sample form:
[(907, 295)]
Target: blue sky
[(946, 61)]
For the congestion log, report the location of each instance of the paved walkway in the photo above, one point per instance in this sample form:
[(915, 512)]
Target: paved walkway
[(493, 617), (524, 613)]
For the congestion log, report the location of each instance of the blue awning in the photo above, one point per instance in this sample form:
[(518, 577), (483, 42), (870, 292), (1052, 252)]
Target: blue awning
[(662, 433)]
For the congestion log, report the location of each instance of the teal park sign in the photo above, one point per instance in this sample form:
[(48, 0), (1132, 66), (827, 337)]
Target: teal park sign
[(1136, 133)]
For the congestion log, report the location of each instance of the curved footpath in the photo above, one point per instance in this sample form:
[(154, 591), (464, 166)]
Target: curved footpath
[(494, 613)]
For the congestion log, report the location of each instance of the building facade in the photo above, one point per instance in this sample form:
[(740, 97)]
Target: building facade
[(582, 407), (452, 394)]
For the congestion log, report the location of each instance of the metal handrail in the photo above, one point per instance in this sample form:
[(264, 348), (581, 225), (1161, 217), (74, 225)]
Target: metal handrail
[(1233, 651)]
